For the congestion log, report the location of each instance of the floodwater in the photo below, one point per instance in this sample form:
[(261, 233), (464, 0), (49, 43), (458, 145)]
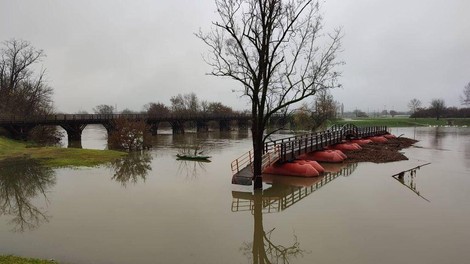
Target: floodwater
[(152, 208)]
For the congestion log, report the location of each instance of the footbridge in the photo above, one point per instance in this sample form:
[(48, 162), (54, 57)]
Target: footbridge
[(20, 126), (289, 148)]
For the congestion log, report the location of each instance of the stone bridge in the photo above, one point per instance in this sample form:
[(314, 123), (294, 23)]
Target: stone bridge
[(19, 127)]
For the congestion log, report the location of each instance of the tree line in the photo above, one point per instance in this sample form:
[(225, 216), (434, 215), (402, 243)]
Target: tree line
[(180, 104), (438, 109)]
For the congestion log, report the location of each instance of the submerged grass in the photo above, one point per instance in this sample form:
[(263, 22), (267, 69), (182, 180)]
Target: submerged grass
[(19, 260), (55, 156)]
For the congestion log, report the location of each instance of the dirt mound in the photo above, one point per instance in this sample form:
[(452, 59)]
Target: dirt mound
[(381, 152)]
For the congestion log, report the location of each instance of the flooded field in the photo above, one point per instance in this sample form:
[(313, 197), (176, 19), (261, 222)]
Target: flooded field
[(153, 208)]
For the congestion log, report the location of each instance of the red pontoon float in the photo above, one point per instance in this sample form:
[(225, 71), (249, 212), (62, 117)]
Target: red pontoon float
[(378, 139), (328, 155), (292, 169)]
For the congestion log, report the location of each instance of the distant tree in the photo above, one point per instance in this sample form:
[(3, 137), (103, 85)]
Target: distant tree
[(359, 113), (393, 113), (384, 112), (414, 105), (218, 108), (303, 118), (22, 91), (466, 95), (104, 109), (156, 109), (204, 106), (324, 108), (191, 102), (128, 111), (185, 103), (437, 107), (177, 104), (274, 49)]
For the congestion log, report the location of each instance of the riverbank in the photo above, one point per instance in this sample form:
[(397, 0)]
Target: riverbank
[(55, 156), (404, 122)]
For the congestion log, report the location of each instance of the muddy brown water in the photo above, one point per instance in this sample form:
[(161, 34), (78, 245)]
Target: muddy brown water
[(152, 208)]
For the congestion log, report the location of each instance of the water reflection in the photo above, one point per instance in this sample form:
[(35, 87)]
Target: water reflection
[(283, 193), (408, 179), (21, 181), (211, 140), (191, 168), (132, 168)]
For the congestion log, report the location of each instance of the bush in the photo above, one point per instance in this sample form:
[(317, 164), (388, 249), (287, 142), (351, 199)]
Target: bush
[(129, 135)]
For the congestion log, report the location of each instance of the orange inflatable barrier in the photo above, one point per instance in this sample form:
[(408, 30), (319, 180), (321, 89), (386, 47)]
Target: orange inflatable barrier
[(312, 163), (361, 141), (346, 146), (328, 155), (378, 139), (292, 169), (339, 152)]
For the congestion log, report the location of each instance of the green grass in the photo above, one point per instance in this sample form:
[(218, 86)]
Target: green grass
[(19, 260), (404, 122), (55, 156)]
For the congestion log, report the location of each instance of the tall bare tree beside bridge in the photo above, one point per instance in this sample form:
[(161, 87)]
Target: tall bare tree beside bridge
[(22, 91), (276, 50)]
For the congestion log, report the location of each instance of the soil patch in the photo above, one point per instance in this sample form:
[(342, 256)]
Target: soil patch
[(381, 152)]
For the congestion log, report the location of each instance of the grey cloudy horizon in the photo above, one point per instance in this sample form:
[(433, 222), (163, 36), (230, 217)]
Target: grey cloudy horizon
[(128, 53)]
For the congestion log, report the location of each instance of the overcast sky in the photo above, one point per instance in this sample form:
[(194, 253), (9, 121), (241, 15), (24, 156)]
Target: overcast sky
[(131, 52)]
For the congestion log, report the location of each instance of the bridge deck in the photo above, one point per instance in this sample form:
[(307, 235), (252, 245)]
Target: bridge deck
[(243, 177)]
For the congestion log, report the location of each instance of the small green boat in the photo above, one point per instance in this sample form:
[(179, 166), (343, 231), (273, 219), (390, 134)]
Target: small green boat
[(193, 157)]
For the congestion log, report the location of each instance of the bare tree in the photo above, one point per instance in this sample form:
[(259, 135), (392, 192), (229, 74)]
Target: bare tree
[(303, 118), (218, 108), (104, 109), (127, 111), (414, 105), (156, 109), (129, 135), (22, 92), (466, 95), (185, 103), (272, 49), (437, 107), (324, 108)]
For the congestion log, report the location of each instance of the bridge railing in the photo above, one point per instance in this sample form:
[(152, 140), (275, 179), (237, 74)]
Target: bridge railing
[(291, 147), (294, 146), (245, 160)]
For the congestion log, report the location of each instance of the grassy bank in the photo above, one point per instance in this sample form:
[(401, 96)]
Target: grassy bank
[(55, 156), (405, 122), (18, 260)]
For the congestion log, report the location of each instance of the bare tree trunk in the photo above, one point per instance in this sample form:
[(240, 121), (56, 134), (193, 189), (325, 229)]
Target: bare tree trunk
[(257, 161)]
